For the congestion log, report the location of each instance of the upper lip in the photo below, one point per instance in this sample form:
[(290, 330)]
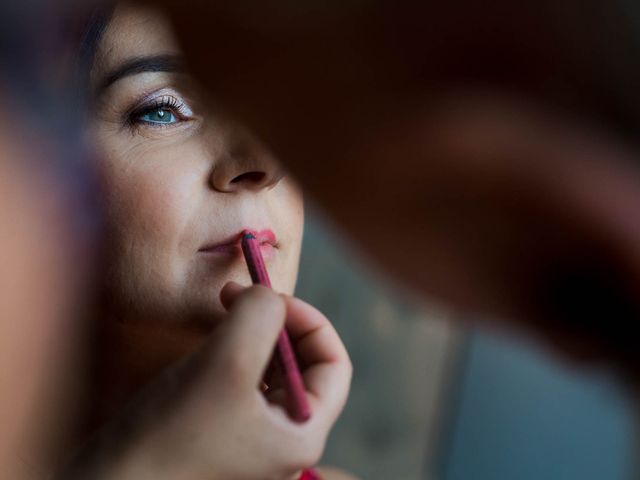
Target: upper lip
[(265, 236)]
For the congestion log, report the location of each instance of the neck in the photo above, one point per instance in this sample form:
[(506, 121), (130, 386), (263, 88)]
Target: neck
[(128, 356)]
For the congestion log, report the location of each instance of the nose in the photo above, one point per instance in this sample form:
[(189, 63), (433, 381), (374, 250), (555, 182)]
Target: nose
[(245, 166)]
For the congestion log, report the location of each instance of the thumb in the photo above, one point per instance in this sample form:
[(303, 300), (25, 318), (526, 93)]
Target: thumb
[(230, 293), (249, 335)]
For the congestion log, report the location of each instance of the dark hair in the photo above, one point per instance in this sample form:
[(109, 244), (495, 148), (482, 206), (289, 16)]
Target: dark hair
[(96, 24)]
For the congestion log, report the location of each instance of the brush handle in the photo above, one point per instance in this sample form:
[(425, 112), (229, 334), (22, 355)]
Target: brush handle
[(294, 385)]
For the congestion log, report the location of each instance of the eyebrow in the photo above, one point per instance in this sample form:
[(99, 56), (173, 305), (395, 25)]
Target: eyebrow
[(136, 65)]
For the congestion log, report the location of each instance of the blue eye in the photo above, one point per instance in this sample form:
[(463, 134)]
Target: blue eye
[(159, 115), (160, 111)]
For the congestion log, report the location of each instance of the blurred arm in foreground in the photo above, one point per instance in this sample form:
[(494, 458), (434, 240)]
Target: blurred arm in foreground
[(479, 155)]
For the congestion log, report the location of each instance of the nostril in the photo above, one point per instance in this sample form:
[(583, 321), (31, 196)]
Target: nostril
[(251, 177)]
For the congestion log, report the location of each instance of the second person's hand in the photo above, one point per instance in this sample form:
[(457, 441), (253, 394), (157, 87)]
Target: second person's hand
[(206, 418)]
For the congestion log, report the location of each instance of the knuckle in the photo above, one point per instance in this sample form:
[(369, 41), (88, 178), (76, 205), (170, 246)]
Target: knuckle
[(310, 450), (349, 374), (314, 453), (306, 445), (348, 364)]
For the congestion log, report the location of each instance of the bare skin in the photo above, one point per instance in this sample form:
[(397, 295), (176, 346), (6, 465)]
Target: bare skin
[(209, 395), (173, 185), (205, 418)]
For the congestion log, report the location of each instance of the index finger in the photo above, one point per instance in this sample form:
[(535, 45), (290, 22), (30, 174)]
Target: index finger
[(326, 367)]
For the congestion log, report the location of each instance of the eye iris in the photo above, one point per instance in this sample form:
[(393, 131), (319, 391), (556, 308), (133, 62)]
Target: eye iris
[(159, 115)]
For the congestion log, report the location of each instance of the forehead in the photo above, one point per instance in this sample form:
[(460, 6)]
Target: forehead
[(134, 31)]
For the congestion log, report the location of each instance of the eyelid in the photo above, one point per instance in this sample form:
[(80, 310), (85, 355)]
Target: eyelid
[(158, 99)]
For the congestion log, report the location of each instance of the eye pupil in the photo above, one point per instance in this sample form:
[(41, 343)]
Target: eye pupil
[(159, 115)]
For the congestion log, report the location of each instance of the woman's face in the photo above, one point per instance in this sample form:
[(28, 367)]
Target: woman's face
[(181, 180)]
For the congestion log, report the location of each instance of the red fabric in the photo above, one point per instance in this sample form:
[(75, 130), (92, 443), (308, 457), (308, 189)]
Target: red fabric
[(309, 474)]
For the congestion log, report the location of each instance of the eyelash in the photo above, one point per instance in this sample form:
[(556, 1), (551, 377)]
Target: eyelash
[(167, 102)]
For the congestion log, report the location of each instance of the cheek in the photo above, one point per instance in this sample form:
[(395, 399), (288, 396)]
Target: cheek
[(150, 195), (290, 219), (295, 202)]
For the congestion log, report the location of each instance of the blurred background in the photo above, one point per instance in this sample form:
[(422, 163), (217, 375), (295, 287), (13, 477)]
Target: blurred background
[(430, 401)]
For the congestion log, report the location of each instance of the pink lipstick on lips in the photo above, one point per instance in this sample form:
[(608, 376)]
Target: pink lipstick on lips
[(264, 236), (265, 239), (232, 246)]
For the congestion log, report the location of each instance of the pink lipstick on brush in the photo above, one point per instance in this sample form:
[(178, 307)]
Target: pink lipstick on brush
[(294, 386)]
